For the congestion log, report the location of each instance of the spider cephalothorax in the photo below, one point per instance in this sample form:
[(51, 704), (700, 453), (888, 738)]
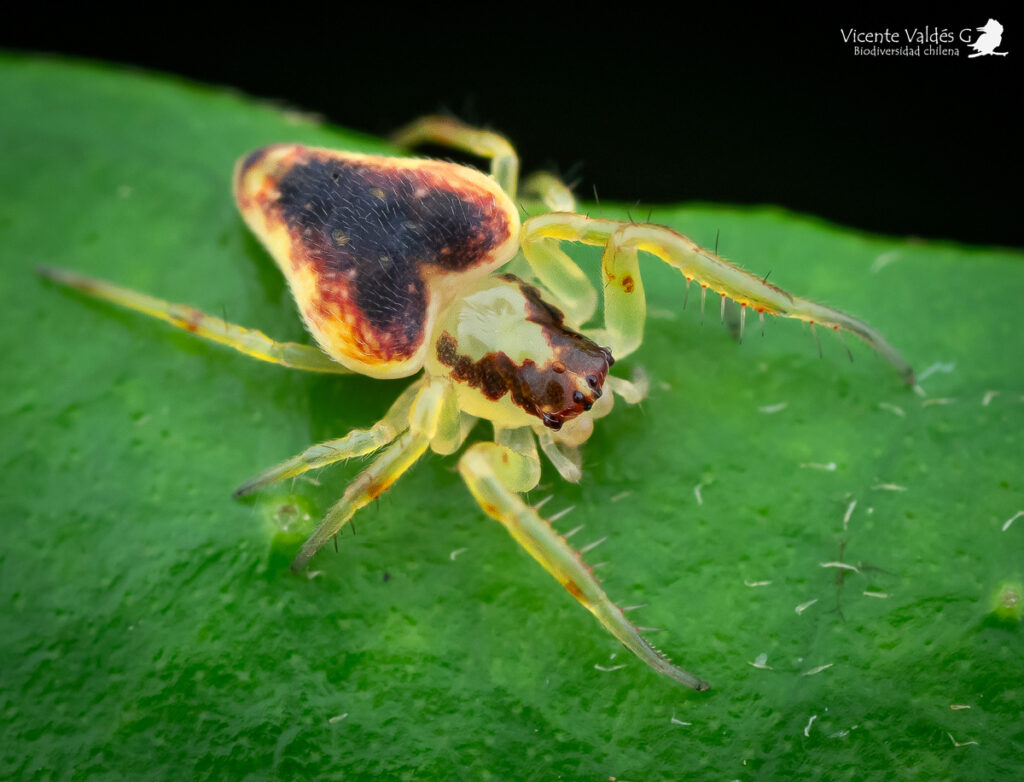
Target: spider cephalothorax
[(503, 341), (390, 261)]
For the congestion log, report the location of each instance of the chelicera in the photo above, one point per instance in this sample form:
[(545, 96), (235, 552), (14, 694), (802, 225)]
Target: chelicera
[(409, 267)]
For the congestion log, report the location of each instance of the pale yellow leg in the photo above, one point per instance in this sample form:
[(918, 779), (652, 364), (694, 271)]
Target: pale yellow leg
[(564, 457), (550, 191), (368, 485), (560, 275), (429, 419), (488, 469), (547, 190), (449, 132), (623, 289), (436, 415), (520, 472), (252, 343), (633, 392), (358, 442)]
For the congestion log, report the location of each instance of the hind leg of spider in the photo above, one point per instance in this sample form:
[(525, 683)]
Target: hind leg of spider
[(450, 132), (625, 303), (432, 420), (491, 472), (249, 341), (358, 442)]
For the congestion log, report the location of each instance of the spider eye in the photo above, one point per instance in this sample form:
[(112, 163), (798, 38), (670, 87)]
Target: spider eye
[(578, 397), (608, 356), (592, 381)]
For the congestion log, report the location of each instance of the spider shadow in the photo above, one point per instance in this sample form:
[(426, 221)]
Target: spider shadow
[(336, 403), (272, 282)]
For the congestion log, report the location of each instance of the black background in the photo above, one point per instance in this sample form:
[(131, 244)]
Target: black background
[(723, 105)]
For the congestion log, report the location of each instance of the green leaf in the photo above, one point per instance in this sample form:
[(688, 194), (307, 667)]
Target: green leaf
[(150, 627)]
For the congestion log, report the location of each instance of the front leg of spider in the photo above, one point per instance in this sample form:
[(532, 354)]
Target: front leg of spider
[(483, 467), (625, 304)]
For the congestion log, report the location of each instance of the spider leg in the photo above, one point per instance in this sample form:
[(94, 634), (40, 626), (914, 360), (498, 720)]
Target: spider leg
[(560, 274), (450, 132), (431, 417), (368, 485), (521, 470), (489, 470), (633, 392), (565, 457), (550, 191), (358, 442), (249, 341), (625, 304)]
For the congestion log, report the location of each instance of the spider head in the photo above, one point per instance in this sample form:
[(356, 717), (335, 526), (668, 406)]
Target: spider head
[(573, 381), (515, 358)]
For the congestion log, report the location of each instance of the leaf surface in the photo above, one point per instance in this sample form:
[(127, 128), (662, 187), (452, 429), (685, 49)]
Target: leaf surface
[(151, 628)]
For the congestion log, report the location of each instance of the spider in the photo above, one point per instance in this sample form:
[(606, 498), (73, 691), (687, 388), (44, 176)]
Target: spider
[(394, 265)]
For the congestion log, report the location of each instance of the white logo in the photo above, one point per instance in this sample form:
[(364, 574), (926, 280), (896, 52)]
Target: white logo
[(989, 40), (925, 41)]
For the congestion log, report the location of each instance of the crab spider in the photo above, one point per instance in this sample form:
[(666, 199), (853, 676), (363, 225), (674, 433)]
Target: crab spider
[(393, 261)]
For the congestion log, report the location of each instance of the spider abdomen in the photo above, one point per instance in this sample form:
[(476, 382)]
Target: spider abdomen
[(372, 247)]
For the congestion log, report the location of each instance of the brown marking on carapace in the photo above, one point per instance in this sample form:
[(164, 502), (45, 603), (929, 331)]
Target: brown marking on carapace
[(627, 284), (370, 244), (551, 390)]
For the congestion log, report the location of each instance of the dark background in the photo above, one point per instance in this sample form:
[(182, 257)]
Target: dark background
[(728, 106)]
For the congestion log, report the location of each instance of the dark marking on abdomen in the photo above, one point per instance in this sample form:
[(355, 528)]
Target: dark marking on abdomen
[(377, 231), (253, 158)]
